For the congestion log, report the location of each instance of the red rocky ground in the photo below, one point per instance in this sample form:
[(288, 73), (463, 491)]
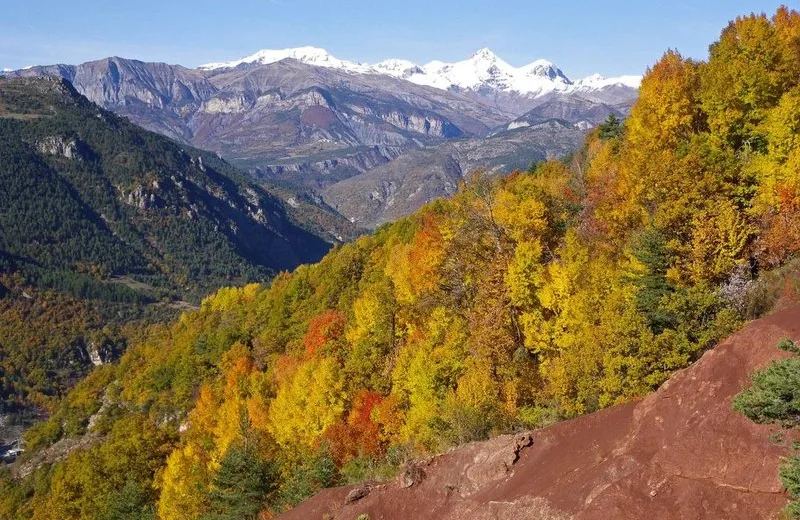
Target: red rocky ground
[(680, 453)]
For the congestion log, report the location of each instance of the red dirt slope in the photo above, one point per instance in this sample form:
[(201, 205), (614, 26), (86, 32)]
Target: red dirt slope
[(679, 453)]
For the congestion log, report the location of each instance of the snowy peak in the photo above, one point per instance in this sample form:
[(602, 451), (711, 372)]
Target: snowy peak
[(596, 81), (482, 71), (484, 54), (485, 58), (310, 55), (397, 68), (544, 69)]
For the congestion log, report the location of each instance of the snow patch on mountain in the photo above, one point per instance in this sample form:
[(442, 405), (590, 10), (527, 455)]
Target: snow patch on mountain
[(484, 70)]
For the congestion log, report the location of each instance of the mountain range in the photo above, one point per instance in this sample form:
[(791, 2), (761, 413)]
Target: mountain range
[(305, 120), (95, 204), (484, 70)]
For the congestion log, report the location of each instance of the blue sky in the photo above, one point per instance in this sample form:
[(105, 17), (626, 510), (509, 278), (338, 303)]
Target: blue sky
[(611, 37)]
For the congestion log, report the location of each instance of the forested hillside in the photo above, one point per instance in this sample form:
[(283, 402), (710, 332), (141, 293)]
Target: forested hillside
[(49, 341), (105, 227), (88, 197), (520, 301)]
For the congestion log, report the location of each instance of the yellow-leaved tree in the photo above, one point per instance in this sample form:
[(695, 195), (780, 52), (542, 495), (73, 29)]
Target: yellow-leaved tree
[(311, 400)]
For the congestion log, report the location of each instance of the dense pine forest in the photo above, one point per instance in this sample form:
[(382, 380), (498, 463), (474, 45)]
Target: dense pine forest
[(523, 300)]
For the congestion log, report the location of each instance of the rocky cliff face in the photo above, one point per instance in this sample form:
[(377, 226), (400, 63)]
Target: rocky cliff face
[(680, 453), (55, 145), (400, 187), (156, 96), (320, 170)]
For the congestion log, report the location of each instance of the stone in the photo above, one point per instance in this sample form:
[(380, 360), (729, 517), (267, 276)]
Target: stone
[(411, 475), (357, 494)]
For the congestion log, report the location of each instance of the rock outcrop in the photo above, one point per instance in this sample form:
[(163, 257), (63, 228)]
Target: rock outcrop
[(60, 146), (680, 453)]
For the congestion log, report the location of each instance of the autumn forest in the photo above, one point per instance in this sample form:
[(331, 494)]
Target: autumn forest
[(523, 300)]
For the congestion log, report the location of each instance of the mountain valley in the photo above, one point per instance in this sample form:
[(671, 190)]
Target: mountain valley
[(296, 286), (105, 227), (307, 120)]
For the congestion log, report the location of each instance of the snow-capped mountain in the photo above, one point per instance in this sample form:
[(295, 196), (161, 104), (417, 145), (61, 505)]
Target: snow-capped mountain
[(316, 120), (482, 71), (310, 55), (397, 68), (596, 81), (485, 70)]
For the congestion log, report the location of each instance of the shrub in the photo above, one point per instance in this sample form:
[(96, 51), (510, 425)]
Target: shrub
[(774, 398)]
